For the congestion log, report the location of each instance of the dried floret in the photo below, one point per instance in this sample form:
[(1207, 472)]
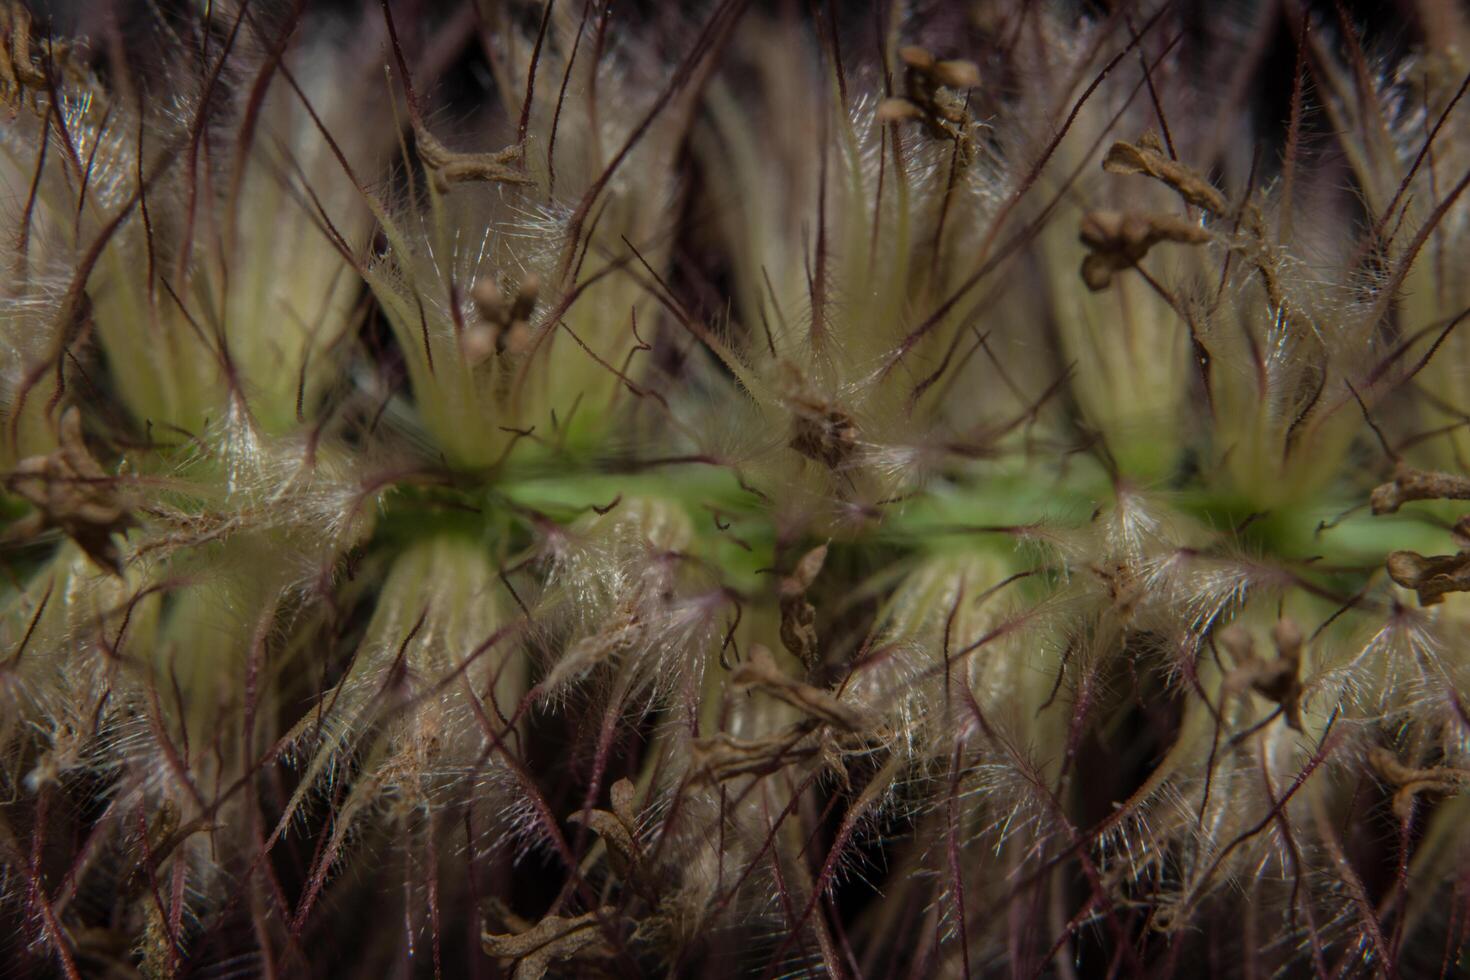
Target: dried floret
[(761, 672), (554, 940), (72, 492), (723, 756)]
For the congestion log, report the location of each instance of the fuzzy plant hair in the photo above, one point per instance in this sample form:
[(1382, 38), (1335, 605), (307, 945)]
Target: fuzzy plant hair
[(889, 488)]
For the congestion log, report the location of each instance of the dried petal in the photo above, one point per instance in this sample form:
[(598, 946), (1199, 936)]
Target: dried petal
[(798, 617), (17, 71), (1431, 576), (1119, 240), (1411, 781), (73, 493), (723, 756), (1146, 158), (1276, 680), (1411, 484), (618, 828), (555, 939), (957, 74), (760, 671), (450, 167), (898, 110)]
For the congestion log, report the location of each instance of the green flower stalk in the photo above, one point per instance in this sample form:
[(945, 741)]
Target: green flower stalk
[(539, 489)]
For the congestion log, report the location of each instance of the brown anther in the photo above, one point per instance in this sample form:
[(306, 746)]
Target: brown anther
[(806, 572), (1461, 532), (916, 58), (504, 328), (1118, 240), (488, 300), (1253, 242), (71, 492), (450, 167), (1147, 157), (1410, 484), (1431, 576), (956, 74), (23, 70), (933, 95), (517, 340), (527, 293), (1410, 781), (898, 110)]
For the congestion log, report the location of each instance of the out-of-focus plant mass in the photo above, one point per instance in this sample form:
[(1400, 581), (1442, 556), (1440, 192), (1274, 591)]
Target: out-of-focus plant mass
[(873, 489)]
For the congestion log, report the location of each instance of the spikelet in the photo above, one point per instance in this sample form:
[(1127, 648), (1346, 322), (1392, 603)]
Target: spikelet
[(584, 490)]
